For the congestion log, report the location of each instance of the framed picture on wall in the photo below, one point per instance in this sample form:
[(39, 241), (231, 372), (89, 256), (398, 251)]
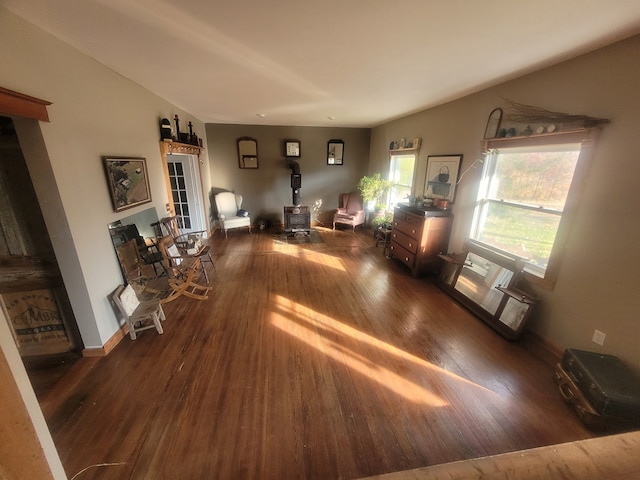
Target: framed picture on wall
[(335, 152), (128, 181), (442, 176)]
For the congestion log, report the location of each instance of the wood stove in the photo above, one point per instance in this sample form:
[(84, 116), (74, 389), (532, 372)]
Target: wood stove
[(297, 219)]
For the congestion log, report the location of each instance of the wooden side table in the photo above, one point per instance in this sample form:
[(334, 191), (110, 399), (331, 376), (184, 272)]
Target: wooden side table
[(383, 235)]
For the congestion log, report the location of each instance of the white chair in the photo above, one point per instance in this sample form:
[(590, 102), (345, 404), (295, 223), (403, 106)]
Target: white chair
[(228, 204), (138, 314)]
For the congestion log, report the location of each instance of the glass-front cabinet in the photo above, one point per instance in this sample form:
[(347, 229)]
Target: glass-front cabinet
[(488, 283)]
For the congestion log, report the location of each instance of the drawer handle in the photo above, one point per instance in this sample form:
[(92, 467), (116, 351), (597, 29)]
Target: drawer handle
[(406, 259), (410, 244), (413, 231), (395, 235)]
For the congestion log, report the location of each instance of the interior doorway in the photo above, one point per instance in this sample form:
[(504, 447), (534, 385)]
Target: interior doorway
[(32, 293)]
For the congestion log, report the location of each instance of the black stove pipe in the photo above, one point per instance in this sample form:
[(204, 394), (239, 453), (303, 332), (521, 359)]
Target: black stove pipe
[(296, 181)]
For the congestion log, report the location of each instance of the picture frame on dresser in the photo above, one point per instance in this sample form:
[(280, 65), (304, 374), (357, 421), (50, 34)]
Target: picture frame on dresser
[(441, 179)]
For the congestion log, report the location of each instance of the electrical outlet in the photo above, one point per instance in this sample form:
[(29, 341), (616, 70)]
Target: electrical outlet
[(167, 207), (598, 337)]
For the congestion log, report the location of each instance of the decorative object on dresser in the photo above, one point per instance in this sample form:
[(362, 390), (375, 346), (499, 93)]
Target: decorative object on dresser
[(489, 283), (418, 236), (442, 176), (128, 181)]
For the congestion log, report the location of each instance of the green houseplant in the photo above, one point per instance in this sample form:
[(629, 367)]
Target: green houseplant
[(371, 189), (383, 220)]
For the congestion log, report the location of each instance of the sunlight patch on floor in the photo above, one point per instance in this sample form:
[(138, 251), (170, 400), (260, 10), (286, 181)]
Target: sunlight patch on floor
[(312, 256), (317, 330)]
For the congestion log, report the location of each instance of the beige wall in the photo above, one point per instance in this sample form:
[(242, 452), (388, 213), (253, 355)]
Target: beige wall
[(598, 281), (267, 189), (95, 112)]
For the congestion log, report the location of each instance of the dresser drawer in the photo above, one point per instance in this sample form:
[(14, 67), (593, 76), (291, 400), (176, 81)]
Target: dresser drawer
[(402, 254), (409, 243), (407, 227)]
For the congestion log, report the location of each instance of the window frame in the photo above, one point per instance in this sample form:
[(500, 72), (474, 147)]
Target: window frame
[(401, 153), (586, 138)]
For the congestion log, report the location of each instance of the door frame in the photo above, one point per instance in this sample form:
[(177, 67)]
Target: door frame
[(168, 147)]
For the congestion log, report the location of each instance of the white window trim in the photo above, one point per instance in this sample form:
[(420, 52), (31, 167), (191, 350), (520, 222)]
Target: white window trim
[(586, 138)]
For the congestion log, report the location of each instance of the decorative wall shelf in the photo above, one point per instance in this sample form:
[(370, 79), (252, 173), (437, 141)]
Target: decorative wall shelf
[(403, 150), (539, 135), (168, 147)]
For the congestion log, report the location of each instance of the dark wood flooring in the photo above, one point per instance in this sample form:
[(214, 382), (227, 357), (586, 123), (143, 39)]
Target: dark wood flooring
[(321, 361)]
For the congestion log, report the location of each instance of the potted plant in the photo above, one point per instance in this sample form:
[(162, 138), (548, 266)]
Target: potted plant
[(383, 221), (371, 189)]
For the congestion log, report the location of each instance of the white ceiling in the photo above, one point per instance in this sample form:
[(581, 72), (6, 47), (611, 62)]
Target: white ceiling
[(351, 63)]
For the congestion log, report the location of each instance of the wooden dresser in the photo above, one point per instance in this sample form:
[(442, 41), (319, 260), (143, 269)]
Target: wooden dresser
[(418, 236)]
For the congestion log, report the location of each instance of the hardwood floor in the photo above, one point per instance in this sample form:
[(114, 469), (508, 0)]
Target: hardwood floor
[(322, 361)]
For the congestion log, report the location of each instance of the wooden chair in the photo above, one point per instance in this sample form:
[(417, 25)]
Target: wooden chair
[(188, 242), (130, 261), (132, 266), (138, 315), (181, 272)]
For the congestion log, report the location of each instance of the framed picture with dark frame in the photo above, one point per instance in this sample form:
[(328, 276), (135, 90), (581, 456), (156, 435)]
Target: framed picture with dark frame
[(335, 152), (442, 176), (128, 181), (292, 148)]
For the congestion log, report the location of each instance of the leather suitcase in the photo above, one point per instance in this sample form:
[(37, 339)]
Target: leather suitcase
[(610, 386), (572, 396)]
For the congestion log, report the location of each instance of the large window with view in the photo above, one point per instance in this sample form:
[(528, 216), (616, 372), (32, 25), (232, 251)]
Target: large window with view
[(401, 170), (523, 199)]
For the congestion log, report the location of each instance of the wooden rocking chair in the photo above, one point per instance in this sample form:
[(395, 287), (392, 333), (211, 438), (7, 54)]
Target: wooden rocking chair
[(181, 271)]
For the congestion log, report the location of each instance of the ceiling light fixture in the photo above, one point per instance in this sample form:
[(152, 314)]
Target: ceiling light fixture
[(261, 115)]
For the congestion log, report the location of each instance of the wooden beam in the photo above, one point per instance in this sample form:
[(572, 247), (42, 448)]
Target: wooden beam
[(21, 105)]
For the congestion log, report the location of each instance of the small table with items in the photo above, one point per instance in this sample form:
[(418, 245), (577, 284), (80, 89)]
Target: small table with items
[(384, 235)]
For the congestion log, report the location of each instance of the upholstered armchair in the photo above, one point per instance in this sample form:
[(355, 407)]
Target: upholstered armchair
[(351, 212), (228, 205)]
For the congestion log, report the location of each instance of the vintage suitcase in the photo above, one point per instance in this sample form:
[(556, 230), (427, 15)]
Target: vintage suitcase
[(611, 387), (572, 395)]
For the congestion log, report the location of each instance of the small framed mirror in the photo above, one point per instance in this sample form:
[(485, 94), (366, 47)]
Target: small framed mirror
[(335, 152), (247, 152)]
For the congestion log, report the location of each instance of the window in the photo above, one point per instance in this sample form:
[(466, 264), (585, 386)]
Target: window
[(401, 175), (527, 196)]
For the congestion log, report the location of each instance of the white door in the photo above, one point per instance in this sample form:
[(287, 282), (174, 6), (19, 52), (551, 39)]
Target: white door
[(186, 191)]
